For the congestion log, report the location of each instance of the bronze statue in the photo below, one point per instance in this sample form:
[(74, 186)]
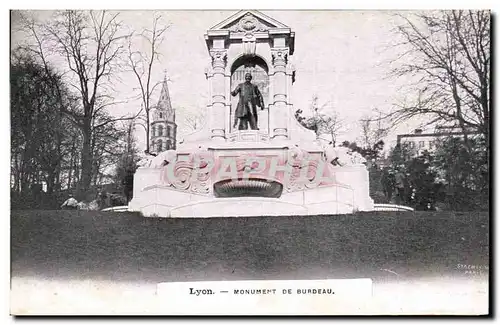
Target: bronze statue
[(250, 98)]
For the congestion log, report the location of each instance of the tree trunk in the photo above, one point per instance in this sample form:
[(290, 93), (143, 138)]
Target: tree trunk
[(58, 163), (16, 173), (70, 170), (51, 176), (25, 173), (57, 180), (86, 164), (95, 168), (76, 170), (147, 130), (460, 117)]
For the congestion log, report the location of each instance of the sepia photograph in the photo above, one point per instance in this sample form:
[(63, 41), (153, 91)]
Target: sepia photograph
[(250, 162)]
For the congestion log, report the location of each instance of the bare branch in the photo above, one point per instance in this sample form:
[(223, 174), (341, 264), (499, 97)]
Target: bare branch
[(142, 66), (445, 51)]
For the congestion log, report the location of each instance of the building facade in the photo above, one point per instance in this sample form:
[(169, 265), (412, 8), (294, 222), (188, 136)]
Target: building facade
[(163, 127), (419, 141)]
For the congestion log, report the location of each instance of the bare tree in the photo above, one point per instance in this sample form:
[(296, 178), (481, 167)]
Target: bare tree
[(330, 125), (194, 120), (104, 147), (372, 130), (127, 163), (70, 171), (142, 63), (448, 52), (90, 43)]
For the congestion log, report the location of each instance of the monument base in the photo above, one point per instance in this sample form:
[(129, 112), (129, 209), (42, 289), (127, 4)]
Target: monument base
[(159, 201), (250, 175)]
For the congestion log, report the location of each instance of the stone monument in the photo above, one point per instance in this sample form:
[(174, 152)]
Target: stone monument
[(278, 169)]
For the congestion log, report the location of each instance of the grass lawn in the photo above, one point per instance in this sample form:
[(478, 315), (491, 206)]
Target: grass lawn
[(127, 247)]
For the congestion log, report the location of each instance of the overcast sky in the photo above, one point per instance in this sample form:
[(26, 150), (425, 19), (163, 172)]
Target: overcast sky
[(340, 56)]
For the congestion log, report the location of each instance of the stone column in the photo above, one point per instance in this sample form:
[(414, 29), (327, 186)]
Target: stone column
[(218, 93), (290, 79), (278, 119)]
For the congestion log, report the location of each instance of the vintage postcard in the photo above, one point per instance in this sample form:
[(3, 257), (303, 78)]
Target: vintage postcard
[(252, 162)]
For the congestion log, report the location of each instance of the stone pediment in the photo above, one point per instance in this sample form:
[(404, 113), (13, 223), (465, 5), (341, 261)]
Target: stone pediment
[(248, 26), (247, 21)]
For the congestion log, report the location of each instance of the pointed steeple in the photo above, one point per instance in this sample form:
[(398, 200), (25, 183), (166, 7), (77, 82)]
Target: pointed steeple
[(164, 101), (163, 127)]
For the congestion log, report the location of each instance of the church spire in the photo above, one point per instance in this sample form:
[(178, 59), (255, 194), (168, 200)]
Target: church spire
[(164, 102), (163, 127)]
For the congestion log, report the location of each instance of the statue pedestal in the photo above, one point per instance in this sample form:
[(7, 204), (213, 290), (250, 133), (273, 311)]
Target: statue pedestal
[(248, 175)]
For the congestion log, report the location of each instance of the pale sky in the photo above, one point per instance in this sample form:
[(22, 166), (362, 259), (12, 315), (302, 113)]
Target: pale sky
[(340, 56)]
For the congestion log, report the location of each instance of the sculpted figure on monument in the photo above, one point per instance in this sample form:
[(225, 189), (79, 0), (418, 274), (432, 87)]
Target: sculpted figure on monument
[(158, 161), (250, 98), (342, 156)]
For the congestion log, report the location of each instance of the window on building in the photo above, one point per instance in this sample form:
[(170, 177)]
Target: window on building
[(169, 131), (161, 114), (160, 130), (169, 145), (412, 144), (431, 144), (421, 144), (159, 146)]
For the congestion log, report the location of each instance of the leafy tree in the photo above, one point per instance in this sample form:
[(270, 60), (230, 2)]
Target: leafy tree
[(372, 156), (422, 186), (464, 172), (400, 154), (454, 175), (425, 189), (44, 141), (37, 125)]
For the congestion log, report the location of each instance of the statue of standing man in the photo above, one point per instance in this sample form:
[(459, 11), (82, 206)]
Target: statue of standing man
[(250, 98)]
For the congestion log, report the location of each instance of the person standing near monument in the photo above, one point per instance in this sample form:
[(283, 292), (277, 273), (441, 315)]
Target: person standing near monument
[(388, 181), (250, 98), (400, 187)]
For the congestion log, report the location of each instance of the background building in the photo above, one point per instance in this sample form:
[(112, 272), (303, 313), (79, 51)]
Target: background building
[(163, 126), (419, 141)]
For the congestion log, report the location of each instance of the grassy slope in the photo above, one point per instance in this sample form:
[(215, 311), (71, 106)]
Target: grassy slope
[(124, 246)]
